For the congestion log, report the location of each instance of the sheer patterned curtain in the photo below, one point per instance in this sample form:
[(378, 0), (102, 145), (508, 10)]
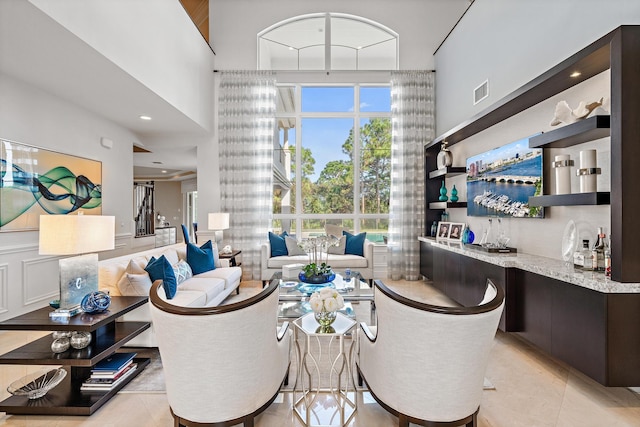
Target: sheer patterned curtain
[(413, 125), (247, 107)]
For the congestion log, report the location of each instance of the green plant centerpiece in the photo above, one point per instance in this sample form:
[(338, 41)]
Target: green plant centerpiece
[(318, 270)]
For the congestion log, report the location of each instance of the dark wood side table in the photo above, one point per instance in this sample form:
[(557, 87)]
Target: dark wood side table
[(107, 336), (233, 262)]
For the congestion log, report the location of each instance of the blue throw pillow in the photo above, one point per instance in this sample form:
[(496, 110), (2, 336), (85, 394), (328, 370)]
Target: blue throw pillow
[(278, 245), (200, 259), (161, 269), (355, 244)]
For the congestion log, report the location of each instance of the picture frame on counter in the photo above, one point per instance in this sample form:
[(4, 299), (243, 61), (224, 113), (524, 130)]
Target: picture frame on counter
[(456, 231), (443, 230)]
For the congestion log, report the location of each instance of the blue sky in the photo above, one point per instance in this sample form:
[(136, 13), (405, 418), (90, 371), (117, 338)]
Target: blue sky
[(504, 152), (325, 136)]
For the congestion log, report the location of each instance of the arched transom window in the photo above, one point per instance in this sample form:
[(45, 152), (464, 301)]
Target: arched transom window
[(327, 41)]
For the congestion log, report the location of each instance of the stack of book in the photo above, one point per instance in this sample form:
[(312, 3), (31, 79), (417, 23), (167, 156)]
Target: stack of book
[(110, 372)]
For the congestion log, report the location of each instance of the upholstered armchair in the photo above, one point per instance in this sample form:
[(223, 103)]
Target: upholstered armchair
[(223, 365), (424, 363)]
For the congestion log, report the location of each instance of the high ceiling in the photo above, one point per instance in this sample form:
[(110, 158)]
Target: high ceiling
[(46, 55), (36, 49)]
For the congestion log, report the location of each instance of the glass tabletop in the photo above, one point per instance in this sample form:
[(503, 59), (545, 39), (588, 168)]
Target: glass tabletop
[(310, 326), (354, 289)]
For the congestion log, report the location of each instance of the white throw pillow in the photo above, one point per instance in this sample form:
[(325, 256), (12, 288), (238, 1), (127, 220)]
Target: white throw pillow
[(334, 230), (292, 246), (339, 250), (171, 255), (136, 265), (134, 284)]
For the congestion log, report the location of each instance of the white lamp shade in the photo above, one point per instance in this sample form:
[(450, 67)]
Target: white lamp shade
[(218, 221), (76, 234)]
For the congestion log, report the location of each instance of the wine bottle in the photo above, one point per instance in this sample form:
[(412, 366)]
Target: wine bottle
[(579, 256), (598, 251), (587, 255)]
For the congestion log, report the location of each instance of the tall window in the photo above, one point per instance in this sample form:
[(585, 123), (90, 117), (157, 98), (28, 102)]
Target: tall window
[(332, 163), (327, 41)]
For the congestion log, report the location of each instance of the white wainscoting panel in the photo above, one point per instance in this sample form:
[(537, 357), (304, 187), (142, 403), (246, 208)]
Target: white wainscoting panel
[(40, 280)]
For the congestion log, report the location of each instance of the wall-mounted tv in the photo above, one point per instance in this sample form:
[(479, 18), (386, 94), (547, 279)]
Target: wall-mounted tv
[(500, 181)]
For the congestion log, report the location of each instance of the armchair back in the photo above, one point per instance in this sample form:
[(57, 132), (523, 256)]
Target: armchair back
[(222, 364), (426, 362)]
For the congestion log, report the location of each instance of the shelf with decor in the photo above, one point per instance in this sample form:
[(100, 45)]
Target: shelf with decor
[(619, 52), (579, 132), (447, 205), (575, 199), (447, 172)]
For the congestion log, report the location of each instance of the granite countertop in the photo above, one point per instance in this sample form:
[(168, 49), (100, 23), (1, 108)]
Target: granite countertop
[(549, 267)]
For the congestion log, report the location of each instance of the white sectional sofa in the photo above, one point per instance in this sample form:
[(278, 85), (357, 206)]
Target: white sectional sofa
[(202, 290), (338, 263)]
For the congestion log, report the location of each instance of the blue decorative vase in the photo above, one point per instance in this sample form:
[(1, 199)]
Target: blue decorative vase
[(468, 236), (454, 194), (317, 278), (443, 193)]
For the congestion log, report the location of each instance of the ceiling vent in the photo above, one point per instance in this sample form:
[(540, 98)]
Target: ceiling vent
[(481, 92)]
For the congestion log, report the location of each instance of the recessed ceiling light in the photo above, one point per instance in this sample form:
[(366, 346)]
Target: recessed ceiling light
[(145, 118), (575, 74), (164, 171)]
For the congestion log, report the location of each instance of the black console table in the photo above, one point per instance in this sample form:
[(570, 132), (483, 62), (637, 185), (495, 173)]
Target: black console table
[(107, 336)]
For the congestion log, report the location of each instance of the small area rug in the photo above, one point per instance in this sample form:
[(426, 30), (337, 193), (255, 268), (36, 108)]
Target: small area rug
[(151, 379)]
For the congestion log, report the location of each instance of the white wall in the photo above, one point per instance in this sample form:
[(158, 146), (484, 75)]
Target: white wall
[(31, 116), (176, 63), (511, 42), (422, 25)]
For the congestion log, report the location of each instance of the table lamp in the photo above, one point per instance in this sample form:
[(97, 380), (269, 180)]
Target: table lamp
[(218, 221), (74, 235)]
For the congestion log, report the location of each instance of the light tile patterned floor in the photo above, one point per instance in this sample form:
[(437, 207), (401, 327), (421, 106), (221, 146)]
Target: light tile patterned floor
[(531, 390)]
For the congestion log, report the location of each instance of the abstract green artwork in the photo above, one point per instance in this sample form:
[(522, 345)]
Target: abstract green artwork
[(35, 181)]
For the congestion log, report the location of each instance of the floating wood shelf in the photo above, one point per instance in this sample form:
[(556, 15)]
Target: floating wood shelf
[(590, 129), (447, 205), (447, 172), (599, 198)]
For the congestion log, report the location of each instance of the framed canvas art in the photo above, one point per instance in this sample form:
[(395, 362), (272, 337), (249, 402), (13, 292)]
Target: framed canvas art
[(36, 181)]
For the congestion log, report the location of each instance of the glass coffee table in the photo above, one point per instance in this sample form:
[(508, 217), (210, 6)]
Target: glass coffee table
[(294, 295)]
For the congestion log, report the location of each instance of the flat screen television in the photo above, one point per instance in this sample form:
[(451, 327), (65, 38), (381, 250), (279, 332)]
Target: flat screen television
[(500, 181)]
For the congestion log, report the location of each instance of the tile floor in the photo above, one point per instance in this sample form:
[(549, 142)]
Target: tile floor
[(531, 389)]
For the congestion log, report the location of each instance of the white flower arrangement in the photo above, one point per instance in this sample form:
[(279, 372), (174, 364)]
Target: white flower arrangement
[(327, 299), (317, 248)]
